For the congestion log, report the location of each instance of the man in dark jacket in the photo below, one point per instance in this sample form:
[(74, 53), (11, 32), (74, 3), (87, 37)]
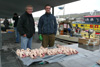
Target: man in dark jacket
[(15, 18), (6, 23), (26, 28), (47, 27)]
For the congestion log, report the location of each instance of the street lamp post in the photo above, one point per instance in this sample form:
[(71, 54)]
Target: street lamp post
[(0, 36)]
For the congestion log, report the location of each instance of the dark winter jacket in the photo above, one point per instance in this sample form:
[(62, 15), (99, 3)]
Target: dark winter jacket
[(26, 25), (6, 23), (47, 24), (16, 21)]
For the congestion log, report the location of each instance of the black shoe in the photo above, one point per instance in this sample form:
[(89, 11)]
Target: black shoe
[(16, 42)]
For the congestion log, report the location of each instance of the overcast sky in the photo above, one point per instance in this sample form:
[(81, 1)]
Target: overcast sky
[(74, 7)]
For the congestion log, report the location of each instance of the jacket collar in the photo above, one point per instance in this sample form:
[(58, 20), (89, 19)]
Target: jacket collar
[(28, 14), (47, 14)]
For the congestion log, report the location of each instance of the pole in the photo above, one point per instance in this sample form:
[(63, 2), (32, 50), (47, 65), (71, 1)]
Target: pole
[(0, 36), (52, 10), (64, 11)]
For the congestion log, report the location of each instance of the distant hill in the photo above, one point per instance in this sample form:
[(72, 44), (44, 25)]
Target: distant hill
[(80, 15), (77, 15)]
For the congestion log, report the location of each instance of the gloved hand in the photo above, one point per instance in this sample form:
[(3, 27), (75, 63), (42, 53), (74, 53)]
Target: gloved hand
[(40, 37)]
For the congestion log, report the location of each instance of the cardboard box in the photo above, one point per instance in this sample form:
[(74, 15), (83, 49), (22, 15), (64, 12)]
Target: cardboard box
[(93, 35), (11, 30), (86, 34), (88, 41)]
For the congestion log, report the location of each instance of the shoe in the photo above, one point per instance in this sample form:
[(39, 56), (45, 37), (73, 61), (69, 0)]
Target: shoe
[(16, 42)]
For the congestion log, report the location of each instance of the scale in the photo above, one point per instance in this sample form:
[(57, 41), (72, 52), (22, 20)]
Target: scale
[(99, 40)]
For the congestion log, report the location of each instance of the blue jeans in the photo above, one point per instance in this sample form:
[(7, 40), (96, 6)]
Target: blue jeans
[(17, 34), (26, 42)]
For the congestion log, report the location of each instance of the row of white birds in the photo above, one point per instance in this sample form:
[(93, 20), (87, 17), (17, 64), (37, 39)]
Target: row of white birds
[(41, 52)]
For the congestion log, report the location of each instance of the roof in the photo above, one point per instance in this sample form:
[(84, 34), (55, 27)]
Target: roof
[(93, 16), (8, 7)]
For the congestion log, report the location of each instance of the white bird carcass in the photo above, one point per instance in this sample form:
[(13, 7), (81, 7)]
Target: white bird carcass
[(33, 54), (18, 52), (41, 52), (27, 52), (22, 53)]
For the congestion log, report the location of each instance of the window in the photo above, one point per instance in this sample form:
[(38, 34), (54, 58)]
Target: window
[(97, 20), (87, 19), (91, 19)]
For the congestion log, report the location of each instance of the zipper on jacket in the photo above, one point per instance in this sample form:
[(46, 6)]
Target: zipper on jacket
[(48, 26)]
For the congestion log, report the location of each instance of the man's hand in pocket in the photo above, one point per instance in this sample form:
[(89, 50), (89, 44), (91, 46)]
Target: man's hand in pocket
[(24, 35)]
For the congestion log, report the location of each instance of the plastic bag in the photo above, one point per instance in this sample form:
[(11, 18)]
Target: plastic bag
[(40, 37)]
